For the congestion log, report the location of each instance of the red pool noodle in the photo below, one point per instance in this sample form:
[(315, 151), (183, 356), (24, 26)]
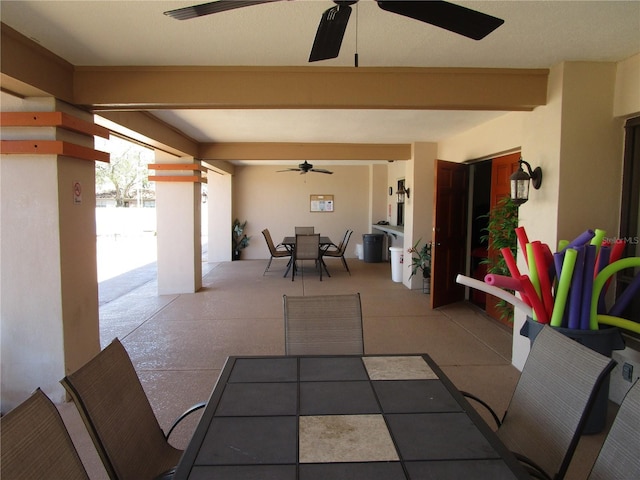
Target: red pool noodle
[(543, 276), (523, 240), (536, 304), (513, 270), (502, 281)]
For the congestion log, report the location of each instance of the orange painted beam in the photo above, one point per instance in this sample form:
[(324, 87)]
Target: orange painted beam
[(52, 119), (52, 147)]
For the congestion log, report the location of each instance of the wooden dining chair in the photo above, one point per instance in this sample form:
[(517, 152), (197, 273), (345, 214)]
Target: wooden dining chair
[(551, 402), (276, 251), (36, 444), (304, 230), (119, 417), (339, 250), (619, 456), (307, 248), (323, 325)]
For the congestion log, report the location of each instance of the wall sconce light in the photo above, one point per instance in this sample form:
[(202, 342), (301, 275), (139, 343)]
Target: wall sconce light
[(520, 182), (402, 192)]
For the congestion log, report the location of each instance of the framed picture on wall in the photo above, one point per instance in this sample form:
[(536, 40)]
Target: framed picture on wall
[(322, 203)]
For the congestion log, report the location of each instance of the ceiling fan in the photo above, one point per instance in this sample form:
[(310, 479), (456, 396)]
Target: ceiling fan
[(306, 167), (333, 23)]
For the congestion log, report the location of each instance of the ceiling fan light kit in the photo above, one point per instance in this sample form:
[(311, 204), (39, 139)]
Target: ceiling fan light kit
[(333, 23)]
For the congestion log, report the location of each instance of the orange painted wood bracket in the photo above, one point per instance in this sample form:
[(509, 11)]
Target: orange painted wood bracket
[(52, 147), (52, 119)]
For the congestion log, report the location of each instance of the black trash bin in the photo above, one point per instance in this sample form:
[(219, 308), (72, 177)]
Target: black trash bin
[(603, 341), (372, 247)]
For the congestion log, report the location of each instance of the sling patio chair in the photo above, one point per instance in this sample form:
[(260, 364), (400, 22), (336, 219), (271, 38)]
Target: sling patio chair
[(338, 250), (36, 443), (119, 417), (307, 248), (275, 251), (323, 325), (551, 402), (304, 230), (619, 456)]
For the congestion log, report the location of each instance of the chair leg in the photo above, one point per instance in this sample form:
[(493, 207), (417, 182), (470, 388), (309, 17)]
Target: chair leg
[(268, 265), (288, 267), (325, 267), (344, 261)]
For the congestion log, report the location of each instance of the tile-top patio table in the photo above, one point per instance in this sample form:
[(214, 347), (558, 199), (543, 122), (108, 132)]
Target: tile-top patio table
[(341, 418)]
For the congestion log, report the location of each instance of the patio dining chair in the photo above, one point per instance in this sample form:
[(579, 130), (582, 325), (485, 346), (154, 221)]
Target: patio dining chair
[(619, 456), (276, 251), (338, 251), (119, 417), (36, 444), (304, 230), (323, 325), (551, 402), (307, 248)]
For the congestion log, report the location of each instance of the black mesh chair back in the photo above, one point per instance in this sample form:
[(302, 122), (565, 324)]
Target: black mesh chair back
[(307, 248), (276, 251), (36, 444), (323, 325)]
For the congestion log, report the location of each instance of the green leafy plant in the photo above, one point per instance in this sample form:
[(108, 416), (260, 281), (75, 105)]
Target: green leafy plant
[(500, 233), (240, 239), (420, 259)]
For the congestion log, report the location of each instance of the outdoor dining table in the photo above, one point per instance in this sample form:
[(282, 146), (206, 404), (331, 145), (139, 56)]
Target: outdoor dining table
[(341, 417)]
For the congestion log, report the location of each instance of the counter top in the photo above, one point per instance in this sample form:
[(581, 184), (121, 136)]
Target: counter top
[(390, 229)]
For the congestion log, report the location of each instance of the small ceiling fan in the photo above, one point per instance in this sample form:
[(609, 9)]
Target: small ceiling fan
[(306, 167), (333, 23)]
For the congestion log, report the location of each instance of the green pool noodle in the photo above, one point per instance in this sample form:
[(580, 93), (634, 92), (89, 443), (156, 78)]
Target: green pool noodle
[(601, 280), (563, 286), (597, 239), (533, 270)]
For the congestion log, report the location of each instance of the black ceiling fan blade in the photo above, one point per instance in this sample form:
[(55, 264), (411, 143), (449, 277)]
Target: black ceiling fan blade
[(330, 33), (289, 170), (321, 170), (208, 8), (457, 19)]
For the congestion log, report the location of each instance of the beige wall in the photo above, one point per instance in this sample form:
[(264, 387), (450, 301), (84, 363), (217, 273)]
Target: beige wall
[(279, 201)]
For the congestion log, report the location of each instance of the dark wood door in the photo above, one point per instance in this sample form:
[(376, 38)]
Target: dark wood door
[(450, 232)]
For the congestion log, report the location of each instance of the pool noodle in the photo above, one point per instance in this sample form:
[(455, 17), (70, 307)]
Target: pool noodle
[(563, 286), (502, 281), (543, 268), (626, 296), (562, 244), (597, 238), (616, 254), (587, 286), (629, 262), (497, 292), (558, 258), (619, 322), (601, 263), (521, 234), (576, 291), (582, 239), (510, 261), (533, 270), (538, 308)]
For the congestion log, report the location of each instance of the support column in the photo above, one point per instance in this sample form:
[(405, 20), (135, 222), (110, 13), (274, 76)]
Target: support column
[(219, 217), (178, 210), (48, 287)]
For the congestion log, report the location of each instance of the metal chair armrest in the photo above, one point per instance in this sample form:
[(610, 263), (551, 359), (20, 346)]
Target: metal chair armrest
[(484, 404), (184, 415), (534, 470)]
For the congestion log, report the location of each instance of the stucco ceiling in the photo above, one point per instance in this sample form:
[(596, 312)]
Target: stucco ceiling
[(536, 34)]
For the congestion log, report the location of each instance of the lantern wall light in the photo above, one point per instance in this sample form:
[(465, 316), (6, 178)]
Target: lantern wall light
[(520, 182), (402, 192)]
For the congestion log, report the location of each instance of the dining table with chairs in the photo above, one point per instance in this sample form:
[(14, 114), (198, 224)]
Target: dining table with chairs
[(350, 417), (315, 253)]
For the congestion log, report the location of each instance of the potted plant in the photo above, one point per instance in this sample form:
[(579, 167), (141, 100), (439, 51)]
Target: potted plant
[(239, 238), (421, 261), (500, 233)]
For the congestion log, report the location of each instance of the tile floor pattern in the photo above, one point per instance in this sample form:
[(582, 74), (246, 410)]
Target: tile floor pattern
[(179, 343)]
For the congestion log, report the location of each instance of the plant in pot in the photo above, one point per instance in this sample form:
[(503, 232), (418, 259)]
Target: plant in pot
[(421, 261), (239, 238), (502, 221)]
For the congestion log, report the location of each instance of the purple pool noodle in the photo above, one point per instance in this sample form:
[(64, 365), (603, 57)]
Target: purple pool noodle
[(587, 286), (558, 260), (575, 294), (580, 240), (624, 299), (603, 261)]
